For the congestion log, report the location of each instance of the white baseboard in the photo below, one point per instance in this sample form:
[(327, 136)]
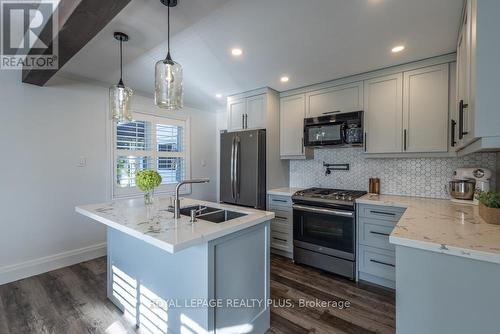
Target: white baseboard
[(42, 265)]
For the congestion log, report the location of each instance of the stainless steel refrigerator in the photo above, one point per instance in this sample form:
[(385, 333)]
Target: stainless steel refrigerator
[(243, 168)]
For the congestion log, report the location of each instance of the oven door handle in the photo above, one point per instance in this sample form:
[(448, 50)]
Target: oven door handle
[(324, 211)]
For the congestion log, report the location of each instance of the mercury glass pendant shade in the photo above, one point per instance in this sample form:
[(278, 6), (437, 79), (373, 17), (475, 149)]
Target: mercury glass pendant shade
[(168, 74), (120, 98), (168, 84)]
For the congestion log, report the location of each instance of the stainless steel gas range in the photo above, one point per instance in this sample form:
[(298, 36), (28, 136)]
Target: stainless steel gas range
[(324, 229)]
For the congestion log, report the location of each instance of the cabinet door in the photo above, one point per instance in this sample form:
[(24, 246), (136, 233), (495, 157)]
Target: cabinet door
[(235, 110), (339, 99), (453, 109), (384, 114), (292, 114), (425, 109), (464, 121), (256, 112)]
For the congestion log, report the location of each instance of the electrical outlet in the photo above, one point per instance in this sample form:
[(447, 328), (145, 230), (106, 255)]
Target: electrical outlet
[(82, 162)]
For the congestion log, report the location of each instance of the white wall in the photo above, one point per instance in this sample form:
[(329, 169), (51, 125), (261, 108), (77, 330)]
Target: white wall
[(45, 131), (221, 124)]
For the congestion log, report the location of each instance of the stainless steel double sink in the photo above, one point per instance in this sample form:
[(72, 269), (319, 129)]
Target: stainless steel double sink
[(214, 215)]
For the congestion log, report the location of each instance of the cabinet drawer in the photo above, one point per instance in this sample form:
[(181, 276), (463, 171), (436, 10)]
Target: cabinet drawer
[(280, 200), (377, 262), (381, 212), (281, 240), (375, 233), (277, 226), (283, 216)]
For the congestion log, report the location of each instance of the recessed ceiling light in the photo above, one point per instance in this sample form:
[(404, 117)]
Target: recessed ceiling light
[(284, 79), (237, 52), (218, 95), (398, 48)]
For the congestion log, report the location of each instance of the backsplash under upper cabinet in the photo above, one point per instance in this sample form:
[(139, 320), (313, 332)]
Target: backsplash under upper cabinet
[(422, 177)]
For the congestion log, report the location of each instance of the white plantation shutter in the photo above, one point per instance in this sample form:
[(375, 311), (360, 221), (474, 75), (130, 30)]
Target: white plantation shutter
[(149, 142)]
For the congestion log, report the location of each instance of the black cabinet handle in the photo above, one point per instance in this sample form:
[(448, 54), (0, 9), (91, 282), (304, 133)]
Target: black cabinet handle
[(331, 112), (404, 139), (366, 137), (379, 233), (453, 129), (461, 107), (383, 263), (280, 218), (284, 240), (279, 200), (383, 213), (243, 121)]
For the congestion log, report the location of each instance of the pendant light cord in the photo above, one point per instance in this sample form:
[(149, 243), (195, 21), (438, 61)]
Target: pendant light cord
[(168, 29), (168, 59), (121, 62)]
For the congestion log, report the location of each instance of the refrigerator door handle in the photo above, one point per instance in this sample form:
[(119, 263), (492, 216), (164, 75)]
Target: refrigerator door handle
[(237, 166), (232, 167)]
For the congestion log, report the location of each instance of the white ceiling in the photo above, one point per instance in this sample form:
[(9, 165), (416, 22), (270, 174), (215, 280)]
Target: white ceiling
[(310, 41)]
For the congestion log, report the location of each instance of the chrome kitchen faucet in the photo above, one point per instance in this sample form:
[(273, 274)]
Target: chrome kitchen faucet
[(177, 201)]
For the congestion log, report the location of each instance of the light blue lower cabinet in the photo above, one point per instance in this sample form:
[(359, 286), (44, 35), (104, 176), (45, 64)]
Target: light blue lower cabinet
[(377, 266), (281, 225), (218, 286), (376, 257), (442, 293)]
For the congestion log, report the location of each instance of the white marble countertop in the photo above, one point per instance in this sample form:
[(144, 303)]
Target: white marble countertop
[(441, 226), (283, 191), (155, 225)]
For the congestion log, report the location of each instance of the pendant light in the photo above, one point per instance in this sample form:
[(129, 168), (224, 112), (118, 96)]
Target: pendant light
[(120, 96), (168, 74)]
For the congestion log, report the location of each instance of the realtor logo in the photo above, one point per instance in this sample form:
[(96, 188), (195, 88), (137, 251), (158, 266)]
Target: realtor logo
[(29, 34)]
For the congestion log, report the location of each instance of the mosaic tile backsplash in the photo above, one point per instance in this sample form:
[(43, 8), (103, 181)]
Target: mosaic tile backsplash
[(422, 177)]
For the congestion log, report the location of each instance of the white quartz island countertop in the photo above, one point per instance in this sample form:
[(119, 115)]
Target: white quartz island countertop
[(155, 224), (441, 226)]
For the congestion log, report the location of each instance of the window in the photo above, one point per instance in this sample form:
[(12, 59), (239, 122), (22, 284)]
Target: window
[(149, 142)]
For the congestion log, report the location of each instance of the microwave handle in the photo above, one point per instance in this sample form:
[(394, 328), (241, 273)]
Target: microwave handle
[(331, 112)]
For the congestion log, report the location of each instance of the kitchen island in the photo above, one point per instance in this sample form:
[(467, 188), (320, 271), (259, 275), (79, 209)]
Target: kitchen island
[(447, 266), (173, 276)]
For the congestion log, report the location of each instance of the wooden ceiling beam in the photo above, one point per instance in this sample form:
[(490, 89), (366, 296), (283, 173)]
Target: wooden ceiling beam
[(78, 22)]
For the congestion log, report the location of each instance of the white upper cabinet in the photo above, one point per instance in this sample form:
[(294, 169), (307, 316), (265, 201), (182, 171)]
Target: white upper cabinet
[(255, 117), (478, 72), (247, 112), (383, 101), (425, 109), (463, 88), (236, 110), (292, 114), (338, 99)]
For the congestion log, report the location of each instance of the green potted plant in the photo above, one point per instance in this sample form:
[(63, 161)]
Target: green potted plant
[(489, 206), (147, 180)]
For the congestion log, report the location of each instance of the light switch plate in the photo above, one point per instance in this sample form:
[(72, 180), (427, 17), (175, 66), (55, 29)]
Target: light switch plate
[(82, 162)]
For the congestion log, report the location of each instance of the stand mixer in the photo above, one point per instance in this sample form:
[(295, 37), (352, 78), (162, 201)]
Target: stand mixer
[(466, 182)]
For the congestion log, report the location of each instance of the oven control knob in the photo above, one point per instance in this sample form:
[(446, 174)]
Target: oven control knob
[(349, 198), (337, 197), (343, 197)]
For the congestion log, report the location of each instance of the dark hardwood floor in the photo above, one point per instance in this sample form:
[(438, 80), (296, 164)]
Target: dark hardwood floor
[(73, 300), (371, 309)]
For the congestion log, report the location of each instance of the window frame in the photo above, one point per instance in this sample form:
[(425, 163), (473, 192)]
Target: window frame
[(154, 118)]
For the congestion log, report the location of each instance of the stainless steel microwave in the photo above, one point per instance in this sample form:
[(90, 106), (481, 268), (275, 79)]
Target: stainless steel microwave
[(344, 129)]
